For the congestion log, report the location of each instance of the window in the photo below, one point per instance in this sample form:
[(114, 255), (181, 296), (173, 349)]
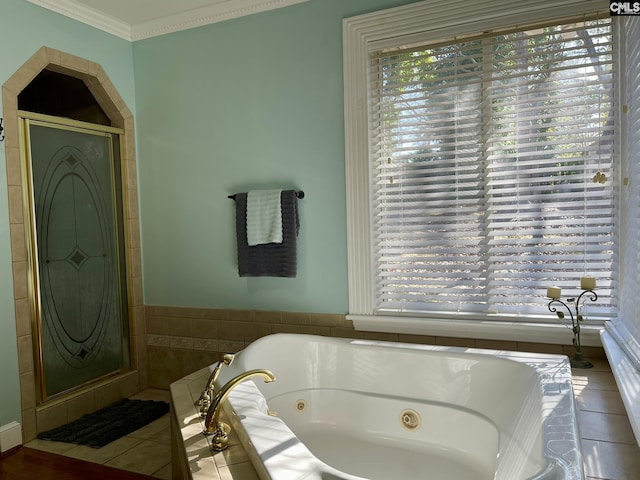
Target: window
[(483, 158), (486, 157)]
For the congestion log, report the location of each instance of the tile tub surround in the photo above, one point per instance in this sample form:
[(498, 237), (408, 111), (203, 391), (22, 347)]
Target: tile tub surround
[(181, 340), (191, 455)]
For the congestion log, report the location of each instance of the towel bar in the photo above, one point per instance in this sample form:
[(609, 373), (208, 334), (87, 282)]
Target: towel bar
[(299, 194)]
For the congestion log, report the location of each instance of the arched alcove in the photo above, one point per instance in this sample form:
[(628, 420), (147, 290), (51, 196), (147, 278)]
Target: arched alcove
[(50, 68)]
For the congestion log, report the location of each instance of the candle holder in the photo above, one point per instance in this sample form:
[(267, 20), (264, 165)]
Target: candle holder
[(578, 360)]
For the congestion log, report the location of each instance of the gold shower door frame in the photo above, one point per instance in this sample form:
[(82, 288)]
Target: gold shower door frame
[(28, 119)]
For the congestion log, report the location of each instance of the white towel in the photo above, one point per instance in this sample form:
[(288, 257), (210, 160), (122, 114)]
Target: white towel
[(264, 217)]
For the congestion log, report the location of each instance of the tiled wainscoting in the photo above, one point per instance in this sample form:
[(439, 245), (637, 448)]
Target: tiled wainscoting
[(183, 340)]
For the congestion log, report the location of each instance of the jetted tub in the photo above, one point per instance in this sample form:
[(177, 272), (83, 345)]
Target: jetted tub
[(358, 409)]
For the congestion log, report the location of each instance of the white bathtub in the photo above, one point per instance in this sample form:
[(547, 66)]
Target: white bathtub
[(356, 409)]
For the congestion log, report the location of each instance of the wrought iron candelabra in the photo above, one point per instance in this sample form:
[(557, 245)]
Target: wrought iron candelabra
[(578, 360)]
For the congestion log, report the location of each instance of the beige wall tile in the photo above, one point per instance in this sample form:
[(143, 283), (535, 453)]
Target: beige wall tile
[(215, 314), (129, 384), (343, 332), (74, 64), (253, 331), (80, 405), (14, 166), (496, 345), (296, 318), (157, 325), (18, 244), (164, 366), (316, 330), (264, 316), (28, 425), (204, 328), (180, 326), (284, 328), (540, 348), (240, 315), (11, 137), (107, 394), (51, 416), (231, 330), (326, 320), (230, 346), (134, 263), (20, 289), (456, 342), (424, 339), (23, 317), (16, 209), (28, 390), (25, 354)]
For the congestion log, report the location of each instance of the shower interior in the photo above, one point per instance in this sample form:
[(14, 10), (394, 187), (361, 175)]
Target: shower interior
[(72, 158)]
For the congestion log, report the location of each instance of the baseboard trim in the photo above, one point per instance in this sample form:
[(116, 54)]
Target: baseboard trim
[(10, 436)]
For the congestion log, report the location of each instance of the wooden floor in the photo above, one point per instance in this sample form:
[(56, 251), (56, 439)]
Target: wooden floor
[(29, 464)]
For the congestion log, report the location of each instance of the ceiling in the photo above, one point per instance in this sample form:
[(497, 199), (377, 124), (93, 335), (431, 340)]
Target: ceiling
[(139, 19)]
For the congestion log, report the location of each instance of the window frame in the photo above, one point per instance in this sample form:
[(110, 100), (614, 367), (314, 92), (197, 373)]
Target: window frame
[(426, 21)]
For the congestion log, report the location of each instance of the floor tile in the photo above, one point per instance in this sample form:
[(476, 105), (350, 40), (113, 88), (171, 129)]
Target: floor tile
[(164, 473), (607, 427), (583, 379), (148, 432), (611, 461), (50, 446), (604, 401), (147, 457), (106, 453)]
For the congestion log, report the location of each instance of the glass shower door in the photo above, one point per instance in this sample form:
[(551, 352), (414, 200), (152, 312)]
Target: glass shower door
[(81, 303)]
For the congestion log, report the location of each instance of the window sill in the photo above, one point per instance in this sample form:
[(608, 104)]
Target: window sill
[(627, 379), (479, 329)]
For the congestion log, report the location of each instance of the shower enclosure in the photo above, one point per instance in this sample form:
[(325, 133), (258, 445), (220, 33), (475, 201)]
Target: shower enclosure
[(77, 250)]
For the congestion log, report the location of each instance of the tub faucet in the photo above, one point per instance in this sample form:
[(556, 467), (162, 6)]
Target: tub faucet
[(212, 424), (205, 397)]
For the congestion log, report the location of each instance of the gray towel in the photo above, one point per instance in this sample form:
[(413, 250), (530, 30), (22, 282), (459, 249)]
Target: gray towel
[(271, 259)]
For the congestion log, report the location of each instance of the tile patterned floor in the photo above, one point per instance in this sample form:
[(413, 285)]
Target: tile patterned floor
[(608, 445), (146, 451)]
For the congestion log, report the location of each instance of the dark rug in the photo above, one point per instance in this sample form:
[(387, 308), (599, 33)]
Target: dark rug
[(104, 426)]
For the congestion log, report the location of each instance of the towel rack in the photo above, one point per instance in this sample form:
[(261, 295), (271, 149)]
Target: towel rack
[(299, 194)]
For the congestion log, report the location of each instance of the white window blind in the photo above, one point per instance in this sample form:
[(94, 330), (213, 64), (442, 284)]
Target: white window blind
[(626, 328), (493, 172)]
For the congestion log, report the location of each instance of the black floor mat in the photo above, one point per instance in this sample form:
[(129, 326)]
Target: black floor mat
[(108, 424)]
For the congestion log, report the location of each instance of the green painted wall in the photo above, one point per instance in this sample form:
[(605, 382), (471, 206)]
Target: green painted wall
[(24, 28), (255, 102)]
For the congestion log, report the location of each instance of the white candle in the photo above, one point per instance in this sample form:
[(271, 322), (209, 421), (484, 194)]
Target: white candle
[(588, 283), (554, 292)]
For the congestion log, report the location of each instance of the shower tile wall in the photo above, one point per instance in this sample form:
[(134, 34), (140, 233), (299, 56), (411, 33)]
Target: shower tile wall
[(98, 82), (183, 340)]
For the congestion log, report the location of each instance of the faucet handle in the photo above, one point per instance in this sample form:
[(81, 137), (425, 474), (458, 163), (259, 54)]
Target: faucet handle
[(227, 359)]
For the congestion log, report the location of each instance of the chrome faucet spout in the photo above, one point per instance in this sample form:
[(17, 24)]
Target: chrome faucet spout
[(212, 424)]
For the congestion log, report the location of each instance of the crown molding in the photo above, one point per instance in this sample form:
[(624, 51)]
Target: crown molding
[(197, 17), (206, 15), (89, 16)]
